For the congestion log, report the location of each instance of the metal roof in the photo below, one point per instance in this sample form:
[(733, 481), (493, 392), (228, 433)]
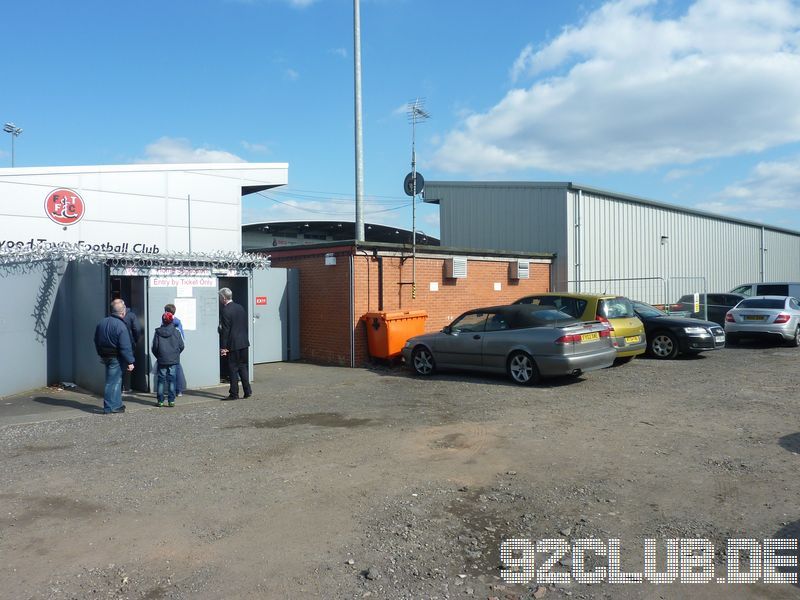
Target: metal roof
[(341, 231), (598, 191)]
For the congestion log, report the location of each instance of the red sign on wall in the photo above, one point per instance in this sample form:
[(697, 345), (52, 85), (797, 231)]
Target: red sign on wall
[(64, 206), (261, 300)]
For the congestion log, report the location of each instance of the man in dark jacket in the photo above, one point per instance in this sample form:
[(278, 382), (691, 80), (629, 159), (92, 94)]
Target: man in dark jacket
[(167, 348), (234, 342), (135, 331), (113, 344)]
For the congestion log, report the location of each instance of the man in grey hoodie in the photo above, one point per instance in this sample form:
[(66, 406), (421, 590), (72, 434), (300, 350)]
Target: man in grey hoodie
[(167, 348)]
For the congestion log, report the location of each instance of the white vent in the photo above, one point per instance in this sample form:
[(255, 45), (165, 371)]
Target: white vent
[(519, 269), (456, 267)]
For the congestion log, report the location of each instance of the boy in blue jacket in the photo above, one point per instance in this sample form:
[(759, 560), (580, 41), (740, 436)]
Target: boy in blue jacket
[(167, 348)]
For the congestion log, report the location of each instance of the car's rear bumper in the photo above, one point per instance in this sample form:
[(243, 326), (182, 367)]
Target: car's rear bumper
[(551, 366), (784, 330), (624, 348)]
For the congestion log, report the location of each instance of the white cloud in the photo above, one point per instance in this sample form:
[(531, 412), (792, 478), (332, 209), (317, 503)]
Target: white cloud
[(292, 75), (770, 186), (280, 206), (301, 3), (180, 150), (626, 90), (255, 147), (339, 52), (431, 223), (676, 174)]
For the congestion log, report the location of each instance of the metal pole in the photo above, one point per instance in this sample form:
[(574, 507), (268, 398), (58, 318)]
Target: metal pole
[(359, 150), (413, 209), (189, 210), (12, 150)]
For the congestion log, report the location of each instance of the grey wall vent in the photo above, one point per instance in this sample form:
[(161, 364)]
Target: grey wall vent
[(456, 267), (519, 269)]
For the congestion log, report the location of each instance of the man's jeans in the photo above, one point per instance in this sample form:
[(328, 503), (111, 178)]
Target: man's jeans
[(112, 395), (167, 375)]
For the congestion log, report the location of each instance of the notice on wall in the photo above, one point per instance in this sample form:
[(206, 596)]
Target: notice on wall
[(186, 311), (184, 291), (177, 282), (434, 286)]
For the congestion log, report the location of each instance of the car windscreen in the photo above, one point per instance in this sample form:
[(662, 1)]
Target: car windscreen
[(761, 303), (646, 310), (616, 308)]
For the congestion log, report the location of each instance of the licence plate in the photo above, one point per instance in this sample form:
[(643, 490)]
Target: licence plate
[(753, 318), (588, 337), (632, 339)]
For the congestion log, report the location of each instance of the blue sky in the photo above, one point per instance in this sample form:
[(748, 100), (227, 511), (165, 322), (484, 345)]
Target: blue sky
[(695, 103)]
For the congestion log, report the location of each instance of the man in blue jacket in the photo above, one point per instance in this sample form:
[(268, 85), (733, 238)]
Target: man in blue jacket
[(112, 341)]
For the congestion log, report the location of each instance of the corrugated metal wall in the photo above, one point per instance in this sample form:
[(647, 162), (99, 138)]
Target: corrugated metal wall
[(782, 256), (502, 216), (627, 239), (600, 237)]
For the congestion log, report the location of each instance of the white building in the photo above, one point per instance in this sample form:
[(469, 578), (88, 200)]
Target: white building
[(72, 238)]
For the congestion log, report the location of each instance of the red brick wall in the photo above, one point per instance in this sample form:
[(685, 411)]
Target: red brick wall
[(454, 296), (324, 306), (325, 295)]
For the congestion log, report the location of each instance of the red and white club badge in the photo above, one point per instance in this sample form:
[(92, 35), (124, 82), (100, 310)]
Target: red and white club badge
[(64, 206)]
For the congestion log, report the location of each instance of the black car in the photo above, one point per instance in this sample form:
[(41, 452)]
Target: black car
[(668, 335), (717, 306)]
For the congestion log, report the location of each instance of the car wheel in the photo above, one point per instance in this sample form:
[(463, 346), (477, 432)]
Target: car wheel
[(522, 369), (422, 361), (795, 341), (663, 345)]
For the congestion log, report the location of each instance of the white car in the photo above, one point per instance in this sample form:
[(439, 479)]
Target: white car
[(764, 316)]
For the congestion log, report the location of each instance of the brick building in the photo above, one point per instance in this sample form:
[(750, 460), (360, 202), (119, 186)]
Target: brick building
[(341, 281)]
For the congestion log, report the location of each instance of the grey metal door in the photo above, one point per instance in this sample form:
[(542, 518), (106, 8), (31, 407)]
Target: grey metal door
[(199, 314), (275, 303)]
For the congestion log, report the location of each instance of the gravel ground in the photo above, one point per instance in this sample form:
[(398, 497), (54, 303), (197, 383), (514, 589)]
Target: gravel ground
[(350, 483)]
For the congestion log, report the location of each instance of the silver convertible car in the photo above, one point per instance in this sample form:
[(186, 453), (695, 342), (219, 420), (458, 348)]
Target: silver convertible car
[(525, 341), (764, 316)]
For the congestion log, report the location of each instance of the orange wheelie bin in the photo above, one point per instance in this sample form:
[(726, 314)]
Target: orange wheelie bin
[(387, 332)]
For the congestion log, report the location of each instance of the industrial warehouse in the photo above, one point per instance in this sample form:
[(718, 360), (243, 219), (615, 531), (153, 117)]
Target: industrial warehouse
[(609, 242)]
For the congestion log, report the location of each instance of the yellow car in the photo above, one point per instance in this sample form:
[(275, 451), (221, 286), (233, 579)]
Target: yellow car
[(627, 331)]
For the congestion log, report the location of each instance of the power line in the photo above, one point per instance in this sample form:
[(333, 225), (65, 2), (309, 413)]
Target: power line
[(329, 212)]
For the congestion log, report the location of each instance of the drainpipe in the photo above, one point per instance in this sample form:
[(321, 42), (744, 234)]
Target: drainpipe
[(380, 282), (763, 250), (577, 234), (352, 315)]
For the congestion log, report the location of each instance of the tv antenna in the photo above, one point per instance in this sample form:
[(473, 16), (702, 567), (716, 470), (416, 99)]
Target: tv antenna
[(414, 183)]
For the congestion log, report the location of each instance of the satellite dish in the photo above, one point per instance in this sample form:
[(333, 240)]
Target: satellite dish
[(408, 184)]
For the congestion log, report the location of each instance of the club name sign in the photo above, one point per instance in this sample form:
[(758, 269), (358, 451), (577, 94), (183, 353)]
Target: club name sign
[(65, 207), (121, 248)]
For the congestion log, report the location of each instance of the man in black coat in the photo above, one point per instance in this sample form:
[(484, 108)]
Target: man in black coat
[(234, 343), (135, 331)]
